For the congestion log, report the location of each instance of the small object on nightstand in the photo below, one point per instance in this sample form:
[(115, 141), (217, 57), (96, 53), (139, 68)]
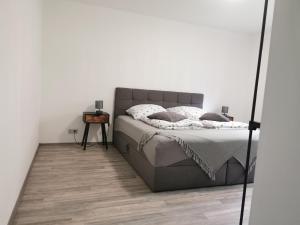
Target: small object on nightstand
[(95, 118), (99, 106), (225, 110)]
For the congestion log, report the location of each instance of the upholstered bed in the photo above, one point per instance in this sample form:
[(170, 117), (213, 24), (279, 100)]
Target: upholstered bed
[(162, 164)]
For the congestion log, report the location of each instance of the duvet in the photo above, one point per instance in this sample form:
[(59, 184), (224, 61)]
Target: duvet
[(193, 124)]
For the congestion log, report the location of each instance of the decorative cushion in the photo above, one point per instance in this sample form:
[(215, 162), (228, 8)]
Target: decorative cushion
[(214, 117), (144, 110), (167, 116), (192, 113)]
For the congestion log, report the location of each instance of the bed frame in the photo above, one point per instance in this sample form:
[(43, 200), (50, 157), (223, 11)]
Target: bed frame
[(183, 175)]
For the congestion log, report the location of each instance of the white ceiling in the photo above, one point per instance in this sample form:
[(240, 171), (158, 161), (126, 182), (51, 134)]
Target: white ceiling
[(234, 15)]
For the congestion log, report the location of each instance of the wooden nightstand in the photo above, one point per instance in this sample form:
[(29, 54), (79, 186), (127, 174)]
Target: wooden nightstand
[(94, 118)]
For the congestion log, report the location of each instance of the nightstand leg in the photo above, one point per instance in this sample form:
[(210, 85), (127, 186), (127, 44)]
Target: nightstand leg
[(102, 132), (86, 135), (104, 137)]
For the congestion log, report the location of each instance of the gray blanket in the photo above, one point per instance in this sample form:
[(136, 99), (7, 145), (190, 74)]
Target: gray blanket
[(210, 149)]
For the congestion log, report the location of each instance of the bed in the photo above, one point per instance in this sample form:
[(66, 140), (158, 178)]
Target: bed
[(162, 164)]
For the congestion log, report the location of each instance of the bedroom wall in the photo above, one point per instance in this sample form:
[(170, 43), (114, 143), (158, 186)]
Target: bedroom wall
[(276, 198), (20, 60), (89, 50)]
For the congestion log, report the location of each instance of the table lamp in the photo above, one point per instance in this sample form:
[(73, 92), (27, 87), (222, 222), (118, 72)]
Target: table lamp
[(225, 110), (99, 106)]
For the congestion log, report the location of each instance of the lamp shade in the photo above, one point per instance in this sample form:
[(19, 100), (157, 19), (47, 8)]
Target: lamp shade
[(225, 109), (99, 104)]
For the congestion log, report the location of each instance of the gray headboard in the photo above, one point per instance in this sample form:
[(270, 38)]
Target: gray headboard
[(127, 97)]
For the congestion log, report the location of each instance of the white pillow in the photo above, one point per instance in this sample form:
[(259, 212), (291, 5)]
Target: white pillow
[(192, 113), (144, 110)]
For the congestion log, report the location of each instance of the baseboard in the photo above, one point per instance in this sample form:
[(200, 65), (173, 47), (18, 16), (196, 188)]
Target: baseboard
[(70, 143), (13, 214)]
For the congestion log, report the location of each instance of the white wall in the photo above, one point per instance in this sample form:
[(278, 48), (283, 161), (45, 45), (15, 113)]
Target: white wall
[(20, 39), (276, 199), (90, 50), (263, 71)]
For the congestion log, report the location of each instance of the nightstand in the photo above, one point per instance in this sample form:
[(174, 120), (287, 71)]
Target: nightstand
[(94, 118)]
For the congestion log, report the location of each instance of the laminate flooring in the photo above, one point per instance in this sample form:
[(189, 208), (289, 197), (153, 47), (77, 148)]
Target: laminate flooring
[(68, 186)]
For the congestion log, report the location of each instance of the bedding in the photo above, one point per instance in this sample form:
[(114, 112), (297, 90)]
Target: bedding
[(224, 125), (166, 147), (160, 151), (192, 113), (167, 116), (144, 110), (209, 150), (180, 125), (193, 124)]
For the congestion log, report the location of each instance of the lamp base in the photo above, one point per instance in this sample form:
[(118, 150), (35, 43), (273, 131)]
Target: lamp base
[(99, 112)]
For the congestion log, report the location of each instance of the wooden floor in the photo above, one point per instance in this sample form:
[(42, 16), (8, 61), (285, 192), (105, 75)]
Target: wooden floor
[(69, 186)]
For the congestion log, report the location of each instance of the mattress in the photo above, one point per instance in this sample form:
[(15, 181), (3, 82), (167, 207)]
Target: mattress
[(164, 151)]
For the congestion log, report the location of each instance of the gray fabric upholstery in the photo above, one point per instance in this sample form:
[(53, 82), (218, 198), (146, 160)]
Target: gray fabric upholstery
[(182, 175), (127, 97), (214, 117)]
